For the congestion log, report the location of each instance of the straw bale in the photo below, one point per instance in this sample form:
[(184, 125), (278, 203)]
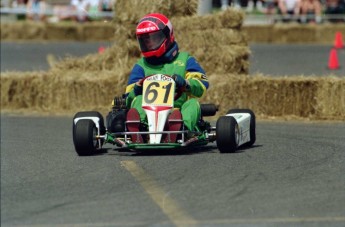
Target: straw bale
[(124, 32), (98, 31), (226, 19), (132, 10), (258, 33), (50, 92), (223, 58), (326, 33), (62, 31), (292, 33), (211, 37), (307, 97), (22, 30)]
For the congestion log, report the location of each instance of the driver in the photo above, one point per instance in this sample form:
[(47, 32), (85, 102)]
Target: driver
[(161, 55)]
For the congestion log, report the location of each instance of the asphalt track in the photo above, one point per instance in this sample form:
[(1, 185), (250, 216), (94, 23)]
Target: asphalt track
[(268, 59), (293, 176)]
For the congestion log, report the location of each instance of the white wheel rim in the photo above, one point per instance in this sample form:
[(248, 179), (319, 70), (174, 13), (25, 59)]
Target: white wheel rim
[(94, 134), (237, 135)]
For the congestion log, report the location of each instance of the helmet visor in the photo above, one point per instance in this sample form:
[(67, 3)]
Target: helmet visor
[(151, 41)]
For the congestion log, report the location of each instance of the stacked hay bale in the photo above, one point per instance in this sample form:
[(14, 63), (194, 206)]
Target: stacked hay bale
[(215, 40), (91, 82), (315, 98)]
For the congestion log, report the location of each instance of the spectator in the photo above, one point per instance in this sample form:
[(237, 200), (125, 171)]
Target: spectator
[(270, 9), (64, 12), (311, 11), (335, 7), (36, 10), (81, 10), (270, 6), (224, 4), (289, 9), (93, 9), (19, 5), (106, 5)]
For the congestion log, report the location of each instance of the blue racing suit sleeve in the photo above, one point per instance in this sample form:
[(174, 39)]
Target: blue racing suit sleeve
[(136, 74)]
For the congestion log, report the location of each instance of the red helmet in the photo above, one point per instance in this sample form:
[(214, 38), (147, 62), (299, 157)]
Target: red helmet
[(155, 35)]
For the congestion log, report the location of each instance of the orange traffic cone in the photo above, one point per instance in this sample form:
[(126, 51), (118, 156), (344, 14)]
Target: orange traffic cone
[(338, 42), (333, 62), (101, 49)]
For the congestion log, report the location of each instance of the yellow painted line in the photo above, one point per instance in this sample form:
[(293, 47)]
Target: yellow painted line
[(275, 220), (174, 212)]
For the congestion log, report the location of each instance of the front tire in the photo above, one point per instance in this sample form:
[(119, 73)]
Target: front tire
[(252, 125), (227, 134), (92, 114), (84, 137)]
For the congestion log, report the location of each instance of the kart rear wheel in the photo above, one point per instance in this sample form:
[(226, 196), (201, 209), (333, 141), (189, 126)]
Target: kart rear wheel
[(84, 137), (227, 134), (208, 110), (252, 124)]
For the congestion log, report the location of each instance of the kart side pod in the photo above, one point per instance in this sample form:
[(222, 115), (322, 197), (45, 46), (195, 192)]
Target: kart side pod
[(235, 129)]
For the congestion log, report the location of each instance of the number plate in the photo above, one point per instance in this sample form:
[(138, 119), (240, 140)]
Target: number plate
[(158, 90)]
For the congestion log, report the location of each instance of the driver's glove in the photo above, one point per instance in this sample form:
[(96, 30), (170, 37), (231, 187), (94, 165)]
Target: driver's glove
[(179, 80), (138, 87), (138, 90)]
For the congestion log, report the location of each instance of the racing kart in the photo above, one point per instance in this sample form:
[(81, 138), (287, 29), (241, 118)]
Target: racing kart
[(164, 128)]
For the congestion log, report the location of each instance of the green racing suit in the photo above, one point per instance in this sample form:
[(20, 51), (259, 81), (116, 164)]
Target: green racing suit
[(187, 67)]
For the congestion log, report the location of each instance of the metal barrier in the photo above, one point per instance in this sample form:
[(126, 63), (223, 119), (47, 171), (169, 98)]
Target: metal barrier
[(249, 19)]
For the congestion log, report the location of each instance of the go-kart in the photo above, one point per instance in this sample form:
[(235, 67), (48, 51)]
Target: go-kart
[(164, 128)]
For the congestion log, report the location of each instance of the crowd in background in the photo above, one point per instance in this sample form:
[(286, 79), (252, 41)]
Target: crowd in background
[(302, 11), (59, 10)]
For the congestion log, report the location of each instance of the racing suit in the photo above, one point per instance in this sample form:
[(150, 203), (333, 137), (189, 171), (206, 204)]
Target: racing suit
[(184, 65)]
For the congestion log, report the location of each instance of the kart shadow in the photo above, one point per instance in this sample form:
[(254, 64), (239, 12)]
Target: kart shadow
[(244, 149), (168, 152), (176, 152)]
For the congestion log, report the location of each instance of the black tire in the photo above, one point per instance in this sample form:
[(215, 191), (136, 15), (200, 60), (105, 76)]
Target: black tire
[(252, 124), (227, 134), (84, 140), (208, 110), (92, 114)]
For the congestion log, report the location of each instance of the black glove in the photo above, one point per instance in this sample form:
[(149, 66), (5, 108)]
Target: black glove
[(138, 90), (138, 87), (179, 80)]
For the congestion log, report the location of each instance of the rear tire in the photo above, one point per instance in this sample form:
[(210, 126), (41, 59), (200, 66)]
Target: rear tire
[(227, 134), (252, 125), (208, 110), (84, 140)]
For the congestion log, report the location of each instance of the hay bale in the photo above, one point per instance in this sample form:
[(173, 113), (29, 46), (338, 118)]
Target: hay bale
[(258, 33), (62, 31), (125, 12), (22, 30), (292, 33), (98, 31), (307, 97), (218, 50)]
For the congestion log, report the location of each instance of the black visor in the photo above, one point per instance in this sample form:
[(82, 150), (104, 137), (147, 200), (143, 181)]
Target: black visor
[(151, 41)]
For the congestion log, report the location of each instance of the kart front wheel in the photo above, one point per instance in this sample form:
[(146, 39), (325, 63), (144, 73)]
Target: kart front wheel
[(84, 138), (252, 124), (227, 134)]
